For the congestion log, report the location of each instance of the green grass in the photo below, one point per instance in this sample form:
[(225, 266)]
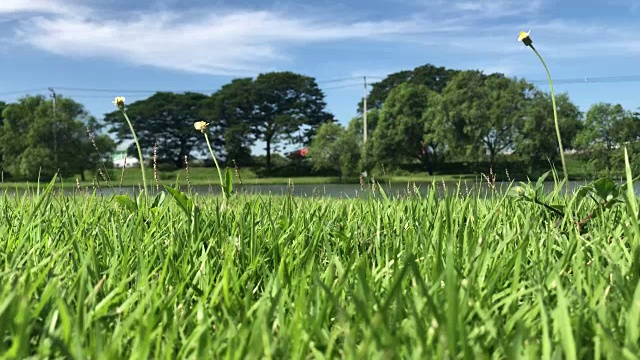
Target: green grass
[(208, 176), (282, 277), (579, 169), (200, 176)]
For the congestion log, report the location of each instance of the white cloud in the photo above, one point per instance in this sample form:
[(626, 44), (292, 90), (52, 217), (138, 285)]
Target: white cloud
[(244, 42), (631, 5), (555, 39), (497, 8), (477, 10), (231, 43), (42, 6)]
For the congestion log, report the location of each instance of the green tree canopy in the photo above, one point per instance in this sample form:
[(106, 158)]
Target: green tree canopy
[(400, 133), (350, 145), (607, 129), (335, 148), (324, 152), (362, 153), (433, 77), (166, 119), (287, 106), (2, 106), (536, 141), (232, 108), (483, 113), (30, 151)]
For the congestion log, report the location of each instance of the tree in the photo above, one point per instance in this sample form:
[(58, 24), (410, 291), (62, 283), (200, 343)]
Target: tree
[(484, 112), (287, 106), (508, 101), (232, 108), (30, 152), (324, 152), (403, 125), (335, 148), (607, 129), (350, 146), (464, 102), (166, 119), (361, 154), (434, 78), (535, 140)]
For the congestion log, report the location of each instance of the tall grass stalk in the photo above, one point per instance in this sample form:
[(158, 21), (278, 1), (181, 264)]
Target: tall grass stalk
[(555, 114), (119, 102), (526, 39), (202, 127), (135, 138)]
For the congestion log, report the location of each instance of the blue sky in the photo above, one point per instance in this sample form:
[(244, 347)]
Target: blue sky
[(200, 45)]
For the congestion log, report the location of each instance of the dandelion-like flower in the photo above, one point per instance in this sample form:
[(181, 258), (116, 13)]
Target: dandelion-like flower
[(119, 101), (525, 38), (200, 126)]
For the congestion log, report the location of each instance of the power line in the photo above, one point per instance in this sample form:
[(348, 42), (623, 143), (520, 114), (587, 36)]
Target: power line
[(342, 86), (22, 91), (140, 92), (146, 91), (337, 80), (601, 79), (94, 96), (117, 91), (168, 90)]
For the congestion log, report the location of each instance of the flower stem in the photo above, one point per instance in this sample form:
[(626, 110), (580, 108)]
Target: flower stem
[(555, 114), (216, 162), (135, 138)]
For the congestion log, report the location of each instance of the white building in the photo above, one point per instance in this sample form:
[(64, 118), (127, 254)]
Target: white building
[(120, 159)]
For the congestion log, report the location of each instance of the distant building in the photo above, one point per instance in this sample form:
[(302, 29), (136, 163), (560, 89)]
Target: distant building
[(120, 159)]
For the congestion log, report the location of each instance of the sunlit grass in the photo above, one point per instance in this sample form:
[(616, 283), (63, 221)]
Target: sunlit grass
[(199, 176), (290, 277)]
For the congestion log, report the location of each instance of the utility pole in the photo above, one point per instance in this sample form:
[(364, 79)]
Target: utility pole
[(55, 125), (364, 114)]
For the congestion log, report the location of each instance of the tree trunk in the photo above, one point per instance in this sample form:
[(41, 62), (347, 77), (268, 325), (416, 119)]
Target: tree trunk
[(268, 148), (424, 157), (427, 163), (180, 163), (492, 159)]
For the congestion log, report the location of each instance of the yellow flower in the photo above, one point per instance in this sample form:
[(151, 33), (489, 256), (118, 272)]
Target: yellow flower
[(119, 101), (200, 125), (524, 37)]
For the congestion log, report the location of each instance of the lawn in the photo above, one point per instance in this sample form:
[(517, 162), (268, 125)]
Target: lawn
[(199, 176), (285, 277), (208, 176)]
